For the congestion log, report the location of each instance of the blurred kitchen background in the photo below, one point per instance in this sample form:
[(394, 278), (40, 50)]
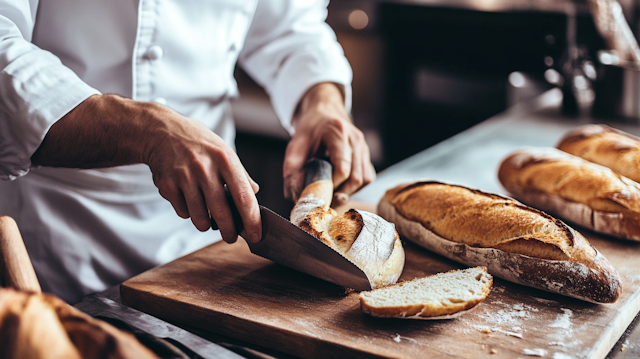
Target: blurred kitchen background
[(425, 70)]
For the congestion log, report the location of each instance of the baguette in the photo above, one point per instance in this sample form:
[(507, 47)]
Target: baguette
[(43, 326), (364, 238), (605, 146), (515, 242), (440, 296), (574, 189)]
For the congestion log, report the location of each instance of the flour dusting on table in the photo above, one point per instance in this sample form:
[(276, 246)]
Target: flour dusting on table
[(534, 352)]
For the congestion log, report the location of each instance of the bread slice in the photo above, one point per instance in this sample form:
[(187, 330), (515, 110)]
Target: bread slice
[(515, 242), (439, 296), (576, 190), (605, 146)]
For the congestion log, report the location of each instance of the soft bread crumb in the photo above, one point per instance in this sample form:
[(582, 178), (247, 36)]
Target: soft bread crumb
[(364, 238), (442, 294)]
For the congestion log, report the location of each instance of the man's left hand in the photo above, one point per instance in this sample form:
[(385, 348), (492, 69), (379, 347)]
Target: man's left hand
[(324, 129)]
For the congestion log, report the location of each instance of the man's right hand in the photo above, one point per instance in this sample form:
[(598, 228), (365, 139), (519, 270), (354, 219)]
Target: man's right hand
[(190, 163)]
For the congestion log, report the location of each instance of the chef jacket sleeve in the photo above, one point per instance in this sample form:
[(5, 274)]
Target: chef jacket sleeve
[(36, 89), (289, 48)]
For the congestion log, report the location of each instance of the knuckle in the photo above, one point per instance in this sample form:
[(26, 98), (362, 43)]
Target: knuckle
[(168, 189), (358, 135), (340, 125), (220, 214), (182, 174), (225, 157)]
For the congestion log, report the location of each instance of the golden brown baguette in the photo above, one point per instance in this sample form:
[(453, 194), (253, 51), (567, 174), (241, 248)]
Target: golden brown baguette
[(576, 190), (43, 326), (515, 242), (605, 146)]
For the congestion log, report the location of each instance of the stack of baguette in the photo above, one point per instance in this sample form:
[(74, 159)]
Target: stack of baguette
[(515, 242), (591, 181)]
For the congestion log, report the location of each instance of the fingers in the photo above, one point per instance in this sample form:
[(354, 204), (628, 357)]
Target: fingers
[(220, 211), (296, 155), (245, 201), (174, 195), (190, 166), (362, 171), (350, 156), (340, 150), (254, 185), (348, 153)]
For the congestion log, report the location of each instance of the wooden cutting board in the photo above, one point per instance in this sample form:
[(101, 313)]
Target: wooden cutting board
[(227, 290)]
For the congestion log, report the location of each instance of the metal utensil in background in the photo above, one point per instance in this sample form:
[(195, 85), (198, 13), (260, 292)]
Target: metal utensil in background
[(99, 306), (617, 90)]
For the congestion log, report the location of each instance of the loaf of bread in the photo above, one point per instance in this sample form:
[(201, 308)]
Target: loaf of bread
[(440, 296), (43, 326), (515, 242), (605, 146), (366, 239), (575, 190)]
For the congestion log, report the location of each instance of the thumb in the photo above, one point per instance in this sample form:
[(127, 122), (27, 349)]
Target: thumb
[(295, 157)]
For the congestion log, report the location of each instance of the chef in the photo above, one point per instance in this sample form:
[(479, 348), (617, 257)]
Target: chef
[(115, 117)]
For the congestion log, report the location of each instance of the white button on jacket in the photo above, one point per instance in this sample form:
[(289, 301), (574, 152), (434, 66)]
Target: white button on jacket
[(155, 52), (89, 229)]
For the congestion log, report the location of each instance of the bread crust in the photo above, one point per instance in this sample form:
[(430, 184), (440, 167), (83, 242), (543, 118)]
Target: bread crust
[(579, 191), (605, 146), (426, 311), (43, 326), (364, 238), (584, 273)]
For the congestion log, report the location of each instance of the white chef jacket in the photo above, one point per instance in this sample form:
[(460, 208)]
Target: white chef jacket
[(86, 230)]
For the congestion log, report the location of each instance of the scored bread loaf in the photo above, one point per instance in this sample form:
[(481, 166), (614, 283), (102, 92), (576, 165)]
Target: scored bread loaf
[(515, 242), (574, 189), (366, 239), (605, 146), (439, 296)]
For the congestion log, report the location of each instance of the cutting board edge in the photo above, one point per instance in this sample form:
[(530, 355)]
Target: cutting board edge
[(617, 329), (323, 348)]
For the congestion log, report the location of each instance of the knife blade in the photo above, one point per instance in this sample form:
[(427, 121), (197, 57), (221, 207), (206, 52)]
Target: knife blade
[(99, 306), (285, 243)]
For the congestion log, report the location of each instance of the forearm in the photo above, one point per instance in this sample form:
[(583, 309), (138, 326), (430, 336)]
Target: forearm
[(189, 163), (103, 131)]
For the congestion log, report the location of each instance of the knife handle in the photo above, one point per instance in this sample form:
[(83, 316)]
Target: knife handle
[(318, 181), (237, 219)]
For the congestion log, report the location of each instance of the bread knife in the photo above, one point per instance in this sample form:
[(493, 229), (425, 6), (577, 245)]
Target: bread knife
[(285, 243)]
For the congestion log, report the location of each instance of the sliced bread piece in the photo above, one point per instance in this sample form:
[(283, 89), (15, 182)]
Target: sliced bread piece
[(439, 296)]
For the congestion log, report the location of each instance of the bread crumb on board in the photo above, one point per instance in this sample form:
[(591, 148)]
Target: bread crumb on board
[(494, 351)]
